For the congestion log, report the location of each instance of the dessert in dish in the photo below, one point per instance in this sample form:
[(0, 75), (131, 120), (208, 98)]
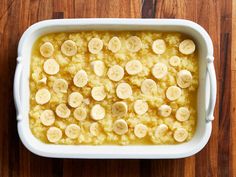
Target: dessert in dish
[(114, 88)]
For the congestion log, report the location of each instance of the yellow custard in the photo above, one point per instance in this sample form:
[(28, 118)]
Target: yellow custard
[(113, 88)]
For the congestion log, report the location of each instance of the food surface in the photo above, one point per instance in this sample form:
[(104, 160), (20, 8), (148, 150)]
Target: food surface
[(114, 88)]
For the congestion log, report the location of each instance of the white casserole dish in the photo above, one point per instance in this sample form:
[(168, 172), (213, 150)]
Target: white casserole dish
[(206, 91)]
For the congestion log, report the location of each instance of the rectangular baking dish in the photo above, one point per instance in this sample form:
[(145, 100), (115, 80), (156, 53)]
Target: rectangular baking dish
[(206, 92)]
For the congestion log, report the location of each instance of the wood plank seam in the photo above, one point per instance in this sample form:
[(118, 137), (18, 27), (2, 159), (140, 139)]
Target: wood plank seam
[(224, 109), (58, 15), (148, 8), (232, 167)]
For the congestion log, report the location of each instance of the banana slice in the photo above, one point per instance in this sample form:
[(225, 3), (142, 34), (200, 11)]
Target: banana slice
[(51, 67), (46, 49), (95, 45), (187, 47), (47, 117), (62, 111), (42, 96), (119, 109), (124, 91), (54, 134), (164, 110), (114, 44), (98, 67), (80, 114), (98, 93), (115, 73), (173, 93), (174, 61), (161, 130), (95, 129), (133, 44), (80, 79), (97, 112), (148, 87), (140, 107), (60, 86), (180, 135), (133, 67), (159, 46), (69, 48), (159, 70), (72, 131), (120, 127), (184, 78), (75, 99), (182, 114), (140, 130)]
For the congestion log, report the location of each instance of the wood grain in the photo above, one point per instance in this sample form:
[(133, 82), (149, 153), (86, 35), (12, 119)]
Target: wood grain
[(233, 94), (217, 159)]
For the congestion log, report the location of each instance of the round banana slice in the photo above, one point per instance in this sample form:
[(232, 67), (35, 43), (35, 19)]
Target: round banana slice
[(119, 109), (69, 48), (160, 130), (180, 135), (95, 45), (72, 131), (173, 93), (51, 67), (140, 130), (159, 46), (97, 112), (80, 79), (159, 70), (62, 111), (184, 78), (47, 117), (187, 47), (182, 114), (114, 44), (75, 99), (95, 129), (98, 67), (174, 61), (148, 87), (164, 110), (80, 114), (120, 127), (133, 44), (115, 73), (54, 134), (46, 49), (98, 93), (42, 96), (60, 86), (124, 91), (133, 67), (140, 107)]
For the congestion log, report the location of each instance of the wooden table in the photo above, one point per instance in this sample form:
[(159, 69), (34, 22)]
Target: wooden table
[(218, 158)]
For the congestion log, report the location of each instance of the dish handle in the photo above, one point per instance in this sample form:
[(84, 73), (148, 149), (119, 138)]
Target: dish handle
[(16, 88), (213, 88)]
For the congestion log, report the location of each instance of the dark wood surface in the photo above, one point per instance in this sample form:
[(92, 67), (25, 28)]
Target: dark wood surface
[(217, 159)]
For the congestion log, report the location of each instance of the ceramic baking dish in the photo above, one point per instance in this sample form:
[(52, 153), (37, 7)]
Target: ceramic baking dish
[(206, 92)]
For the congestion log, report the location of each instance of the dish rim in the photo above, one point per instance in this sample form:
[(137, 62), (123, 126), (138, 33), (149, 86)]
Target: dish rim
[(96, 22)]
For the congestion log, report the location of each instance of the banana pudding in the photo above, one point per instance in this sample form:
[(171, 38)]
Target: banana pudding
[(113, 88)]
